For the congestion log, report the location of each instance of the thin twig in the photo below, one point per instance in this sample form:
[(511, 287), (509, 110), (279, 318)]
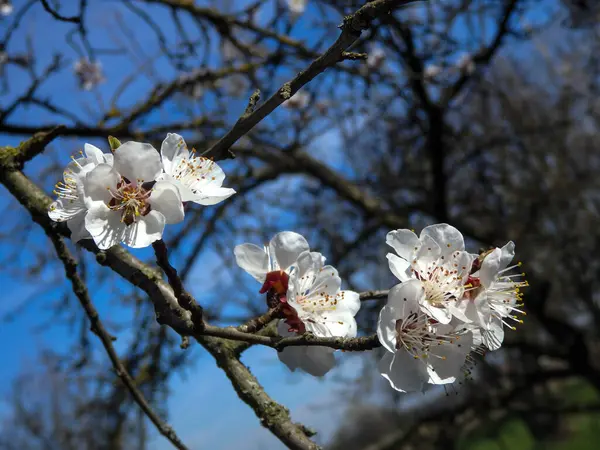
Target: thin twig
[(307, 339), (80, 290), (352, 28), (57, 16), (258, 323), (185, 299), (373, 295)]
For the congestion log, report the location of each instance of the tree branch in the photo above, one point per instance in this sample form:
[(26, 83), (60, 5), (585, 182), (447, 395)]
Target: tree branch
[(352, 28)]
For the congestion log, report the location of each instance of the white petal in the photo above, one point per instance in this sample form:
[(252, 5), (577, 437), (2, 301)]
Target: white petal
[(172, 151), (429, 250), (65, 210), (332, 324), (446, 236), (253, 260), (318, 360), (212, 175), (404, 242), (493, 334), (441, 314), (348, 301), (508, 253), (314, 360), (165, 199), (405, 298), (399, 267), (146, 230), (104, 225), (447, 359), (94, 154), (287, 247), (386, 328), (490, 267), (458, 310), (462, 261), (405, 373), (326, 282), (307, 262), (185, 192), (211, 195), (99, 182), (77, 227), (137, 161)]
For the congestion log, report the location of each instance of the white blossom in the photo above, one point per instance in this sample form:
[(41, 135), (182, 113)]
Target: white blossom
[(375, 57), (437, 258), (299, 100), (319, 306), (6, 8), (432, 71), (296, 8), (450, 306), (126, 203), (419, 349), (275, 258), (70, 205), (493, 299), (197, 178), (89, 74)]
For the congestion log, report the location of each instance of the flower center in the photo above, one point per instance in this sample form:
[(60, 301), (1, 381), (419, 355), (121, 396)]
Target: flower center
[(416, 334), (194, 168), (131, 199)]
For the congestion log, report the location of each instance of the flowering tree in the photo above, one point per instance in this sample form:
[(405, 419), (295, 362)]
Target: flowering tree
[(425, 113)]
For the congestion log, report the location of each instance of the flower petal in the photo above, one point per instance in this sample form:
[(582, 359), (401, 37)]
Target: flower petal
[(77, 227), (99, 182), (399, 267), (493, 334), (386, 328), (508, 253), (441, 314), (104, 225), (137, 161), (172, 151), (405, 373), (65, 210), (404, 298), (94, 154), (446, 236), (490, 267), (348, 301), (448, 359), (146, 230), (428, 252), (211, 195), (165, 199), (332, 324), (404, 242), (306, 262), (286, 247), (314, 360), (253, 259)]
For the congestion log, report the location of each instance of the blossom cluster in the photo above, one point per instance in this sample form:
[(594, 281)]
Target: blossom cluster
[(130, 194), (308, 293), (449, 305)]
